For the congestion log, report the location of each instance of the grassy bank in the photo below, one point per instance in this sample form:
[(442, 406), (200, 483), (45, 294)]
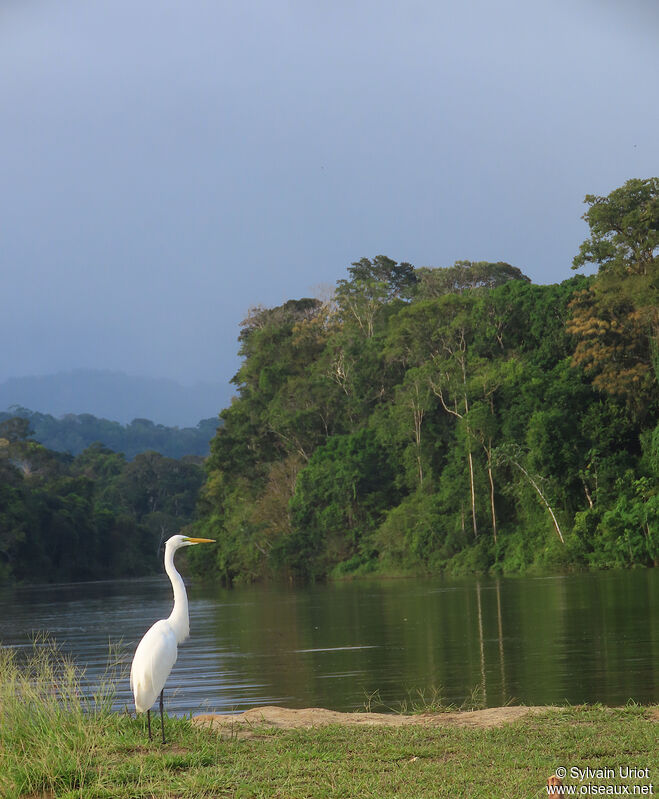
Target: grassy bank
[(55, 743)]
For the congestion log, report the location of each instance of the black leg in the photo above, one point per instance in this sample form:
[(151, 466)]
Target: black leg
[(148, 721), (162, 719)]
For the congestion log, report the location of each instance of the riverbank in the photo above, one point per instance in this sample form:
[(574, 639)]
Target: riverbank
[(108, 755), (304, 718), (61, 738)]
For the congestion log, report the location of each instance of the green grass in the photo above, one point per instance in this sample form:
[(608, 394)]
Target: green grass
[(56, 743), (422, 700)]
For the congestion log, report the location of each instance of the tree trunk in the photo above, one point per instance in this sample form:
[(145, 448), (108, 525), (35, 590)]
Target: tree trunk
[(473, 491), (471, 460), (542, 497), (418, 412), (488, 454)]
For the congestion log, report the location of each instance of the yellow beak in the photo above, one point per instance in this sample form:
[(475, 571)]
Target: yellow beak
[(201, 540)]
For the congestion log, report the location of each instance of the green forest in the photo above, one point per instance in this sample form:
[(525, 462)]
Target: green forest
[(417, 421), (92, 516), (75, 432), (453, 419)]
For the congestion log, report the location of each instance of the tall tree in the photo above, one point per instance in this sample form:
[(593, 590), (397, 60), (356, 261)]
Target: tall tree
[(399, 278), (464, 276), (615, 321), (624, 229)]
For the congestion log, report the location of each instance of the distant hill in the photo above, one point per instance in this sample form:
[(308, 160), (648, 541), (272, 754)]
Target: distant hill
[(74, 433), (114, 395)]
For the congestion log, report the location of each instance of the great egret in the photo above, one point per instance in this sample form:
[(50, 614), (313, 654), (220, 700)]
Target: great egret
[(156, 652)]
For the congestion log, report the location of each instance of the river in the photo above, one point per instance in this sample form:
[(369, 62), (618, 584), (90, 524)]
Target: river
[(542, 640)]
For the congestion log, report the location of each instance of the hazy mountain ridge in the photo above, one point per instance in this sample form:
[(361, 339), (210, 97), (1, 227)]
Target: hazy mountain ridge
[(117, 396)]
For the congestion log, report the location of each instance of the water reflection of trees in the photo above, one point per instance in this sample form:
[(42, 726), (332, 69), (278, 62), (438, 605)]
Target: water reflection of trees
[(539, 640)]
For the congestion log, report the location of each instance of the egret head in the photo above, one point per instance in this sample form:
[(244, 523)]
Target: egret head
[(178, 541)]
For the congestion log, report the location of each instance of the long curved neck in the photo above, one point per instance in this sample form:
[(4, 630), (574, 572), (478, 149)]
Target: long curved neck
[(178, 618)]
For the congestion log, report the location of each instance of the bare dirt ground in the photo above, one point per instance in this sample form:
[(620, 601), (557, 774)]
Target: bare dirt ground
[(286, 718)]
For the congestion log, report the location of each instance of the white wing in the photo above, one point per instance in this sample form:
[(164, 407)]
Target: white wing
[(154, 658)]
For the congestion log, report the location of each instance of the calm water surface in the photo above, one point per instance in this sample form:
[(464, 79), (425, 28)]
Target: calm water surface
[(585, 638)]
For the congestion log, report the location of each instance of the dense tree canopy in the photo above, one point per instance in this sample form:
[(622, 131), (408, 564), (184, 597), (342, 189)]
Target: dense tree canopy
[(89, 517), (449, 418), (464, 275), (456, 418), (616, 319)]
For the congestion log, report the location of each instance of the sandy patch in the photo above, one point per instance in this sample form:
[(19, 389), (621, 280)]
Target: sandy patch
[(286, 718)]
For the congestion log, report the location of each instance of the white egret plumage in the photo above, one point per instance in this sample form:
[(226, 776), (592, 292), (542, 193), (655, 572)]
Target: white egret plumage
[(157, 651)]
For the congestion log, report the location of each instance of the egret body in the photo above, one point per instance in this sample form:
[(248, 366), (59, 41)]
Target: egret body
[(156, 652)]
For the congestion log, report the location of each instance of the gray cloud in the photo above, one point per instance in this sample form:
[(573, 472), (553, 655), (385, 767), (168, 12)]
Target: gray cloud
[(167, 164)]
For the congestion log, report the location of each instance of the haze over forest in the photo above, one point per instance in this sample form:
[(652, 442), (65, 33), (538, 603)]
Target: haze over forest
[(116, 396)]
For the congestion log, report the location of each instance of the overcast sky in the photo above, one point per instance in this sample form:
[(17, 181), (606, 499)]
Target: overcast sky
[(164, 165)]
